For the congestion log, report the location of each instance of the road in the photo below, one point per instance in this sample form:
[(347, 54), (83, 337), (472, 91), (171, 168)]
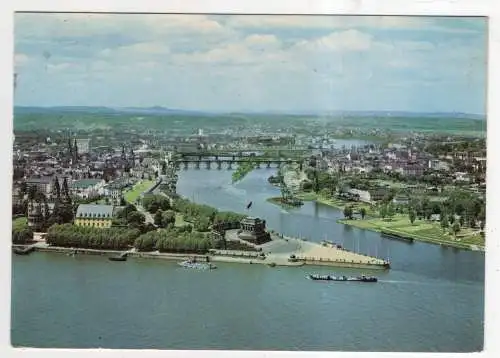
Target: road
[(147, 215)]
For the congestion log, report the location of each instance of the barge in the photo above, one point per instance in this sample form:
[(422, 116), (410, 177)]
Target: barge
[(361, 278)]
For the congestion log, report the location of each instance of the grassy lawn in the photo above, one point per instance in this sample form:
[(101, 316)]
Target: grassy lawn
[(132, 194), (390, 183), (336, 203), (20, 222), (420, 230), (307, 196)]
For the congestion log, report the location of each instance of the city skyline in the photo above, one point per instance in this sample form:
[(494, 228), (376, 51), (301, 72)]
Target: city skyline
[(252, 63)]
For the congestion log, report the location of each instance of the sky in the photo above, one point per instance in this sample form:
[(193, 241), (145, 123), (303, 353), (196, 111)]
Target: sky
[(252, 63)]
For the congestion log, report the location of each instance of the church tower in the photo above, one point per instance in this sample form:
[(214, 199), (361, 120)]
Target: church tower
[(75, 152)]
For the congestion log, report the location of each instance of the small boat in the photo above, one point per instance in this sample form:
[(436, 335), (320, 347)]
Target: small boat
[(197, 265), (361, 278), (25, 251), (117, 258)]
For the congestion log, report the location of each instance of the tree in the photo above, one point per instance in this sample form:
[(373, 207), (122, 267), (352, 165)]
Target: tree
[(203, 224), (412, 215), (383, 211), (461, 220), (456, 228), (168, 218), (158, 218), (136, 220), (444, 221), (362, 211), (348, 212), (390, 211)]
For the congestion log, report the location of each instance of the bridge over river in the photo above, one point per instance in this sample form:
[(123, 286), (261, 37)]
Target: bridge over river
[(228, 159)]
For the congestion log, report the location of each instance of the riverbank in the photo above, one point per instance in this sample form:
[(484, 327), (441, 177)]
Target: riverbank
[(282, 251), (400, 225), (279, 201), (420, 230), (242, 170)]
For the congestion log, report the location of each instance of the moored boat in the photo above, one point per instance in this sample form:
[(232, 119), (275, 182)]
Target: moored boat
[(361, 278), (197, 265), (117, 258), (24, 251)]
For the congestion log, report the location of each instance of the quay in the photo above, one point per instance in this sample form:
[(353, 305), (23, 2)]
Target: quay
[(280, 251)]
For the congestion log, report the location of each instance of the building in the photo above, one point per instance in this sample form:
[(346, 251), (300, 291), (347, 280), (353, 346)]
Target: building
[(99, 216), (361, 195), (88, 188), (38, 213), (436, 164), (401, 200), (83, 146), (254, 231), (42, 184), (114, 191)]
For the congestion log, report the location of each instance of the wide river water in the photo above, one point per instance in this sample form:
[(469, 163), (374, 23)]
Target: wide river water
[(430, 300)]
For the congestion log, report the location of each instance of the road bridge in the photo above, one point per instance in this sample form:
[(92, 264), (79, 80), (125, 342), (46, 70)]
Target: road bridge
[(228, 162), (244, 153)]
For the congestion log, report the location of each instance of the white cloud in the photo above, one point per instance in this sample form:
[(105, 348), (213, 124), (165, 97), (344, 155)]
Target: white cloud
[(57, 67), (325, 22), (44, 26), (350, 40), (336, 22), (141, 49), (262, 41)]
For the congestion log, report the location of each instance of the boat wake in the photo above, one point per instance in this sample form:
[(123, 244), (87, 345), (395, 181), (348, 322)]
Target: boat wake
[(402, 282)]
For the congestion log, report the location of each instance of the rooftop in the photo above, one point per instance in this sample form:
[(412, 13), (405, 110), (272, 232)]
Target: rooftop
[(94, 211), (85, 183)]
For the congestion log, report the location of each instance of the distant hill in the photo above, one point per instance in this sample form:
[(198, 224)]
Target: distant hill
[(108, 110), (158, 110), (377, 114)]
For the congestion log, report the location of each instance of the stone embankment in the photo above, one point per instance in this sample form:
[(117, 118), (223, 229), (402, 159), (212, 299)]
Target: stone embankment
[(281, 251)]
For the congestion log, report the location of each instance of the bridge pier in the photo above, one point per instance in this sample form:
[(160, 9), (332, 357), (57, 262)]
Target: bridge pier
[(257, 165), (268, 164), (186, 165), (229, 165), (197, 165), (208, 164), (219, 164)]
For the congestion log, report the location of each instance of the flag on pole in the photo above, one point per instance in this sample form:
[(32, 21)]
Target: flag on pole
[(249, 205)]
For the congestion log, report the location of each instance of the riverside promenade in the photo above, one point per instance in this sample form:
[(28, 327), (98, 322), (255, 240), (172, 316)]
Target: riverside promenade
[(276, 252), (280, 249)]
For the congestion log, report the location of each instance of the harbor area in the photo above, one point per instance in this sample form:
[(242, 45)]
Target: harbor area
[(247, 241)]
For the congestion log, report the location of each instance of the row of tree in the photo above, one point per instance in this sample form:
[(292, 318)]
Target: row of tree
[(68, 235), (174, 240), (204, 216), (200, 215)]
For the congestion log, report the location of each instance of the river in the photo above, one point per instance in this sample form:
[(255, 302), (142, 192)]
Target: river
[(431, 300)]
